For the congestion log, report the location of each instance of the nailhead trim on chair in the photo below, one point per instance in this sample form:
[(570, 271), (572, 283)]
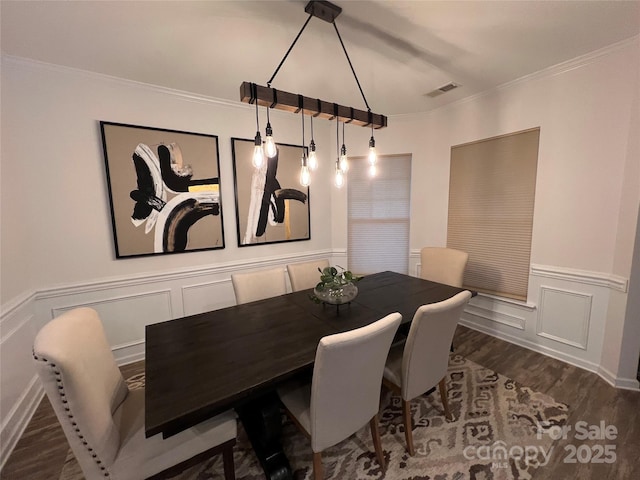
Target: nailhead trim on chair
[(69, 414)]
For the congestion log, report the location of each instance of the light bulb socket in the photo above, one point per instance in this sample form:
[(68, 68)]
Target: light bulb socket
[(312, 146), (258, 139), (372, 142), (343, 150), (269, 131)]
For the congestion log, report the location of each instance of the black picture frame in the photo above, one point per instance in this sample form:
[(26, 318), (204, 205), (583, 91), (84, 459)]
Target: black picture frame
[(271, 205), (164, 190)]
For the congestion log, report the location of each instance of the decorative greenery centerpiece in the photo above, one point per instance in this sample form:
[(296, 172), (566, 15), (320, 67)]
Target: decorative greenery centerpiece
[(336, 286)]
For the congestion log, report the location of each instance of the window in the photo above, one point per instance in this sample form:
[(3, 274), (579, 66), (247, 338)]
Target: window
[(491, 197), (378, 215)]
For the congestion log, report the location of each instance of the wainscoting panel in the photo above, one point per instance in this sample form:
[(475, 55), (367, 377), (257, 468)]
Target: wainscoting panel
[(564, 316), (125, 317), (20, 388), (511, 320), (204, 297)]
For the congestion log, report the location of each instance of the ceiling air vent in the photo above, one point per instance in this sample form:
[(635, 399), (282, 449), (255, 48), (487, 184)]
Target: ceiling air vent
[(442, 89)]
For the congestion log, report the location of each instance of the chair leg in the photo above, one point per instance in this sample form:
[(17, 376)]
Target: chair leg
[(408, 433), (377, 444), (445, 401), (227, 460), (318, 472)]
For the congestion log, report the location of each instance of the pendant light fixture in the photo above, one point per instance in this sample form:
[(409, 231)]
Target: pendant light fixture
[(305, 177), (258, 152), (313, 159), (373, 155), (344, 161), (269, 142), (339, 178), (272, 98)]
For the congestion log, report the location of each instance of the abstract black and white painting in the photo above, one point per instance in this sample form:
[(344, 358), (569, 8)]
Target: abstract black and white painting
[(271, 205), (164, 190)]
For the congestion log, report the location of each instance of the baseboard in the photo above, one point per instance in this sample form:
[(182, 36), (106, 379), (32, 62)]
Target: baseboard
[(19, 417), (618, 382), (521, 342), (606, 375), (129, 353)]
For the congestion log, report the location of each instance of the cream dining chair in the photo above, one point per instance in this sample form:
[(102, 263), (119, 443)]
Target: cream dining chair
[(423, 362), (443, 265), (103, 420), (252, 286), (305, 275), (344, 393)]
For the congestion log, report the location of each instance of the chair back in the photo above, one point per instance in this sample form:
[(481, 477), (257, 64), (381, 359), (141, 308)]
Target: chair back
[(347, 377), (305, 275), (84, 385), (253, 286), (426, 352), (443, 265)]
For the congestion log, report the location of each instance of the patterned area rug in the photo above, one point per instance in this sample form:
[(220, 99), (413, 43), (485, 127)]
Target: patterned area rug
[(495, 435)]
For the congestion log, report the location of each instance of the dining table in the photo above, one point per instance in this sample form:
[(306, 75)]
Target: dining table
[(235, 358)]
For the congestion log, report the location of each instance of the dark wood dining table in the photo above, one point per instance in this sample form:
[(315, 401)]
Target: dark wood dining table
[(201, 365)]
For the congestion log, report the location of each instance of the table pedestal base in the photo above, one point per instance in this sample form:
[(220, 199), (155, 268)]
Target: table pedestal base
[(262, 422)]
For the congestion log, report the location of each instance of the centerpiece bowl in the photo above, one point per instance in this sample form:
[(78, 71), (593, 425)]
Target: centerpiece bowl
[(337, 295), (336, 287)]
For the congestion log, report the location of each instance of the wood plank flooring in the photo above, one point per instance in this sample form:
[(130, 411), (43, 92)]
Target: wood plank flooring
[(41, 451)]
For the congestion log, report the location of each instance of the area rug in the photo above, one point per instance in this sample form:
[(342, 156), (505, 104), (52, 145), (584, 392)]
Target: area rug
[(498, 432)]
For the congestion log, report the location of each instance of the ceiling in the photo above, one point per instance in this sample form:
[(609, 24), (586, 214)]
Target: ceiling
[(400, 50)]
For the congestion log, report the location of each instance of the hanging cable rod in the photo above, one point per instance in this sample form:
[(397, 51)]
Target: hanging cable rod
[(289, 51), (352, 70)]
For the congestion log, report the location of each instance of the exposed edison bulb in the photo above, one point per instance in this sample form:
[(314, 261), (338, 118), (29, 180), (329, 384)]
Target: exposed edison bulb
[(305, 176), (270, 143), (270, 146), (258, 152), (343, 162), (373, 170), (373, 155), (313, 159), (339, 180)]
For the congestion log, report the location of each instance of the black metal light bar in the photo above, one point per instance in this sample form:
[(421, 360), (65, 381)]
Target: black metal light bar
[(281, 100)]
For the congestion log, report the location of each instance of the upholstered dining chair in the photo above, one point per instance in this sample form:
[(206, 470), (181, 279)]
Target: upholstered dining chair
[(344, 393), (422, 363), (103, 420), (259, 285), (443, 265), (305, 275)]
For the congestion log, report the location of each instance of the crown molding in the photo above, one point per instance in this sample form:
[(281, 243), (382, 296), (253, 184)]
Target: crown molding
[(9, 60)]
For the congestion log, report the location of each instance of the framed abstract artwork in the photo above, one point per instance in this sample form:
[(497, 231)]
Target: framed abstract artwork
[(164, 190), (271, 205)]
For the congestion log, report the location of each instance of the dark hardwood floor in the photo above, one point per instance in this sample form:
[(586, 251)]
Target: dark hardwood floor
[(41, 451)]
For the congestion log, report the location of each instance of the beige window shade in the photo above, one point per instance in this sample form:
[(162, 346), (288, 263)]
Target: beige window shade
[(491, 198), (378, 215)]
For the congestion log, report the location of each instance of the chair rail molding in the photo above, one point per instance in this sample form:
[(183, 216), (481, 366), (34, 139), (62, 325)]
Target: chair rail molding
[(614, 282)]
